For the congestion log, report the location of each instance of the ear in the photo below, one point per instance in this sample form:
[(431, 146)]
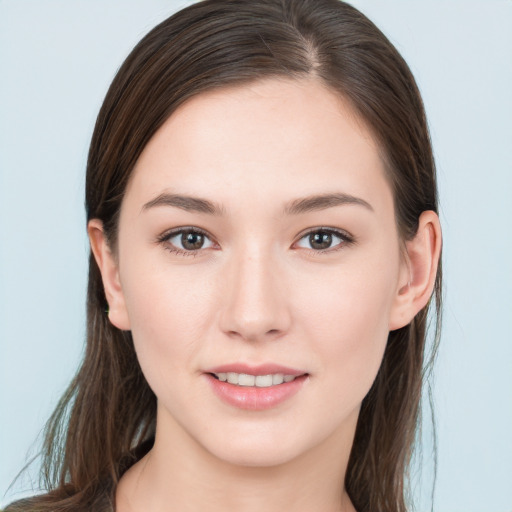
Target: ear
[(418, 272), (109, 268)]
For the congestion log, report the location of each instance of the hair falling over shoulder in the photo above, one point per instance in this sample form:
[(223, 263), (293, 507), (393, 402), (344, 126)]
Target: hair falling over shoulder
[(105, 421)]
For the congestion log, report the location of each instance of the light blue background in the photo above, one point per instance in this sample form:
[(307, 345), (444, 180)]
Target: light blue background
[(57, 58)]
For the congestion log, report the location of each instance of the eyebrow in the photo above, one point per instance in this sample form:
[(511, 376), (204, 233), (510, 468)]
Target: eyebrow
[(322, 202), (295, 207), (187, 203)]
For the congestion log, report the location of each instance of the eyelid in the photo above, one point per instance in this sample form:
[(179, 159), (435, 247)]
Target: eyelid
[(180, 229), (171, 233), (346, 238)]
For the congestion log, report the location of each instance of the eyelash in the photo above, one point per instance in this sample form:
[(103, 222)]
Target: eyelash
[(165, 237), (345, 238)]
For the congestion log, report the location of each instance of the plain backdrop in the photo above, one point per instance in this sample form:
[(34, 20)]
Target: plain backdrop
[(57, 58)]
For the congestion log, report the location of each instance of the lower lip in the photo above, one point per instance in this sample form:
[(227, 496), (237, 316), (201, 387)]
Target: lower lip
[(253, 398)]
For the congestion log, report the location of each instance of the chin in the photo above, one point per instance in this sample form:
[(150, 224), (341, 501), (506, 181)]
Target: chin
[(260, 445), (256, 455)]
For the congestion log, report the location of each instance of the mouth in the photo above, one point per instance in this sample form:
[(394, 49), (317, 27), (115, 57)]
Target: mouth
[(255, 388), (259, 381)]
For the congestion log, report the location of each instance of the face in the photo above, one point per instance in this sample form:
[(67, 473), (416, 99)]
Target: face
[(257, 236)]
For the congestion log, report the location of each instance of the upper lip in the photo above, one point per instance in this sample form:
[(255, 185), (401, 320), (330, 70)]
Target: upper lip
[(259, 369)]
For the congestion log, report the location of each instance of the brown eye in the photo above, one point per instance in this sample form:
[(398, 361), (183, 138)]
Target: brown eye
[(192, 241), (324, 239), (320, 240), (185, 241)]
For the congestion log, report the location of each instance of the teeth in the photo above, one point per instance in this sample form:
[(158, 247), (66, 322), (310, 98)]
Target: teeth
[(263, 381), (260, 381), (246, 380), (233, 377), (277, 378)]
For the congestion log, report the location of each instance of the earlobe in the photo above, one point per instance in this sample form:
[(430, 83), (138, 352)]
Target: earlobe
[(108, 265), (418, 275)]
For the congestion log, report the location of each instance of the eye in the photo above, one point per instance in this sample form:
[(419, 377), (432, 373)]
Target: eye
[(324, 239), (186, 241)]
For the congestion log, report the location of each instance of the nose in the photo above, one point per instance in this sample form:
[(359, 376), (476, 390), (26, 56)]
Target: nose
[(254, 304)]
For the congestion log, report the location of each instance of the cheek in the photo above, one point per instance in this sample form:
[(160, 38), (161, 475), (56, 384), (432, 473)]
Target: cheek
[(346, 314), (168, 315)]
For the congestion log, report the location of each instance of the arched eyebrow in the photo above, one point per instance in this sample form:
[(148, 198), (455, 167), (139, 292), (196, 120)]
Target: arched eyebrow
[(295, 207), (187, 203), (322, 202)]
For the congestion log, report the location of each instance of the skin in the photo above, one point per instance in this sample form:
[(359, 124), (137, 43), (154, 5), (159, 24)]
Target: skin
[(259, 291)]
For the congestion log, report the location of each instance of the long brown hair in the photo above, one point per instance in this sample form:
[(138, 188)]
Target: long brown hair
[(106, 419)]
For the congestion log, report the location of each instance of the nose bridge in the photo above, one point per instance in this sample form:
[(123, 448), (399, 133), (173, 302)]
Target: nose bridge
[(254, 305)]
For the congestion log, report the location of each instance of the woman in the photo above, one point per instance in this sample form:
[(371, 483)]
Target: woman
[(261, 204)]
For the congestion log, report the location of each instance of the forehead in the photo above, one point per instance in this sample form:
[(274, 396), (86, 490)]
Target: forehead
[(266, 139)]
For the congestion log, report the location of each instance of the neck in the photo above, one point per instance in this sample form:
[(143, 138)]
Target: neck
[(179, 474)]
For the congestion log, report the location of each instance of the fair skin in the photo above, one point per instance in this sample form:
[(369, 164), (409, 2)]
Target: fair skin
[(315, 289)]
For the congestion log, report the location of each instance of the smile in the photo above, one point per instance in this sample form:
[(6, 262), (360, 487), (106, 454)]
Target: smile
[(255, 392), (259, 381)]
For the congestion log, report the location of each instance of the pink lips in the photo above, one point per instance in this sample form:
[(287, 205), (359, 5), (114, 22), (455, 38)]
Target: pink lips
[(260, 369), (252, 397)]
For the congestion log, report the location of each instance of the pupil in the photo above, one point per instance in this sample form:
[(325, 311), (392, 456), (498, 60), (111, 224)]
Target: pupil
[(192, 241), (320, 240)]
